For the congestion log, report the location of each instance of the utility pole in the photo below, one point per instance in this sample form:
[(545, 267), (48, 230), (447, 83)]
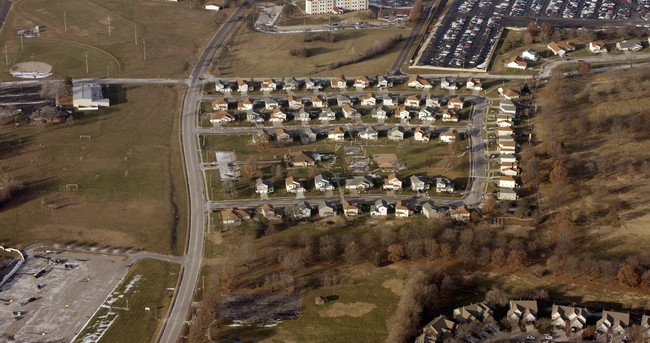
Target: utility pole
[(21, 43), (6, 55), (107, 68), (65, 21), (144, 50), (109, 25), (86, 56), (135, 34)]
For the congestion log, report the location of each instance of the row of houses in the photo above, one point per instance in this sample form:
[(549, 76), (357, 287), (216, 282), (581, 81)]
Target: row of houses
[(563, 318), (340, 83), (322, 183), (325, 209), (507, 148)]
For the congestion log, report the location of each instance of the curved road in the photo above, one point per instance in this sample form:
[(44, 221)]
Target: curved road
[(183, 299)]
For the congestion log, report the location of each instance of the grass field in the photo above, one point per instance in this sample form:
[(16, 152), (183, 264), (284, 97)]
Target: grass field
[(145, 286), (173, 34), (125, 172), (247, 53)]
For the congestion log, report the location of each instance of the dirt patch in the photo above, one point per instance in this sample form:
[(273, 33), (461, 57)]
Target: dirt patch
[(395, 285), (355, 310), (518, 230)]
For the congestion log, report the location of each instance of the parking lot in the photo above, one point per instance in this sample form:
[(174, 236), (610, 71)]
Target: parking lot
[(53, 295), (471, 28)]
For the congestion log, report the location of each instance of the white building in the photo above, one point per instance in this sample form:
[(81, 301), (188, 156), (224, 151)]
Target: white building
[(88, 96)]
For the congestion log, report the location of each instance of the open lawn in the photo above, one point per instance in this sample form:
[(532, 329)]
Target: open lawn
[(125, 161), (172, 33), (249, 53), (133, 312)]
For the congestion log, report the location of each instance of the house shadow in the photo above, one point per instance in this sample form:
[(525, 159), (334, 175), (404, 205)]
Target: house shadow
[(115, 93)]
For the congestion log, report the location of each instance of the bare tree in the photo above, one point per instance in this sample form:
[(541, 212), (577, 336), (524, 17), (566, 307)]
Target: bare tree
[(352, 252), (54, 90), (490, 205), (414, 249), (263, 142), (628, 276), (396, 252), (416, 11), (327, 247), (247, 251), (229, 189), (497, 297), (292, 262), (498, 257), (618, 130), (251, 169)]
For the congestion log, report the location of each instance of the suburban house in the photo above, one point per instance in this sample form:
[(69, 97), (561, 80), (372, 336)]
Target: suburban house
[(220, 105), (271, 213), (243, 86), (437, 330), (507, 182), (222, 117), (369, 133), (337, 134), (327, 114), (443, 184), (507, 147), (379, 113), (597, 47), (245, 105), (629, 45), (530, 55), (384, 82), (269, 85), (308, 135), (516, 63), (474, 84), (222, 87), (404, 209), (560, 48), (303, 158), (379, 208), (564, 317), (318, 102), (396, 133), (430, 211), (403, 113), (434, 101), (351, 209), (212, 6), (507, 194), (449, 136), (504, 120), (427, 113), (416, 81), (368, 100), (461, 213), (278, 116), (234, 215), (412, 101), (88, 96), (359, 183), (390, 101), (479, 312), (338, 83), (645, 324), (349, 112), (421, 135), (270, 104), (343, 100), (302, 115), (449, 116), (294, 103), (522, 310), (254, 117), (302, 210), (509, 92), (361, 82), (508, 166), (447, 84), (456, 103), (293, 186), (323, 183), (312, 85), (418, 184), (508, 106), (509, 171), (326, 209), (263, 186), (393, 182), (504, 158), (291, 84), (614, 321)]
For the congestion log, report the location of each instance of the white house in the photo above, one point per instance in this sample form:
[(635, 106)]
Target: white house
[(456, 103), (379, 208), (268, 85), (507, 194), (418, 184), (403, 209), (318, 102), (530, 55), (564, 317), (312, 85), (516, 63), (443, 184), (326, 209), (359, 183), (278, 116), (412, 101), (351, 209), (369, 133), (361, 82), (614, 321), (368, 100), (88, 96), (210, 6), (421, 135), (245, 105), (291, 84), (396, 133), (270, 104), (629, 45), (263, 187), (449, 136), (429, 210), (222, 117), (522, 310), (243, 86), (384, 82), (416, 81), (337, 134), (323, 183), (220, 104), (449, 116), (560, 48), (338, 83), (597, 47), (303, 116), (390, 101), (507, 182), (474, 84), (254, 117), (293, 186), (294, 103), (426, 113), (349, 112), (402, 113), (379, 113), (222, 87), (393, 182), (327, 115), (448, 84)]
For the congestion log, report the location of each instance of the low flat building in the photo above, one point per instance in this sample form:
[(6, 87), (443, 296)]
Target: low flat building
[(88, 96)]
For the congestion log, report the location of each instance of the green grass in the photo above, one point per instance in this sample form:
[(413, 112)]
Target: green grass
[(174, 35), (247, 53), (136, 324), (125, 173)]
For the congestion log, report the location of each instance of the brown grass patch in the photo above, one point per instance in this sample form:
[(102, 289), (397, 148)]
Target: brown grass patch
[(395, 285), (355, 310)]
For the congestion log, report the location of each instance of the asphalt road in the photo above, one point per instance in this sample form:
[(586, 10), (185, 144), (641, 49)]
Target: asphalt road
[(183, 299), (5, 5)]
